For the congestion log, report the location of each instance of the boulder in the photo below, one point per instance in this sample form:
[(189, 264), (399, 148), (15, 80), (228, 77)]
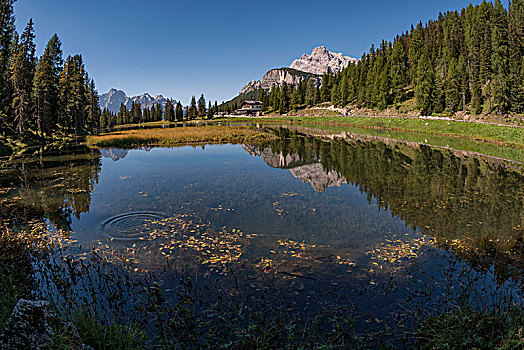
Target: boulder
[(32, 325)]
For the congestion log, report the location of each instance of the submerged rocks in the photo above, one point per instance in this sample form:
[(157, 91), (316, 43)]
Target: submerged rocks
[(32, 325)]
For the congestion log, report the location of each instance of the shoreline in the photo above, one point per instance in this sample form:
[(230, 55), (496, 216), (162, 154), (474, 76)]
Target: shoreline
[(476, 131)]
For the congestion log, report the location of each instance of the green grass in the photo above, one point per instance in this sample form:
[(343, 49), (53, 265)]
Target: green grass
[(108, 337), (458, 143), (503, 135), (468, 329)]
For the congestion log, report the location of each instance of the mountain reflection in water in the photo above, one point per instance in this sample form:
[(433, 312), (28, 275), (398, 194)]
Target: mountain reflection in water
[(470, 205), (304, 221)]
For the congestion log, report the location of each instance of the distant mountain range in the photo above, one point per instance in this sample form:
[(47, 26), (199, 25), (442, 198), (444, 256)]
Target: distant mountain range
[(321, 61), (112, 99)]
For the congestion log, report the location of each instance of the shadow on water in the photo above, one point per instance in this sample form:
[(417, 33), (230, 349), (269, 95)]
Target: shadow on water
[(359, 234)]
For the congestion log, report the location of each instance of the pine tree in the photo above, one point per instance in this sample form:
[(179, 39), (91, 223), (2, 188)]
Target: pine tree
[(159, 112), (295, 98), (179, 112), (7, 30), (22, 75), (309, 98), (169, 114), (73, 96), (103, 120), (285, 99), (121, 116), (516, 54), (425, 89), (499, 58), (325, 89), (192, 112), (93, 110), (209, 114), (201, 106), (452, 87), (399, 67), (152, 114), (46, 86)]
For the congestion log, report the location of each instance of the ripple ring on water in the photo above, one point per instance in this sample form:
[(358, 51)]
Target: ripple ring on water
[(134, 225)]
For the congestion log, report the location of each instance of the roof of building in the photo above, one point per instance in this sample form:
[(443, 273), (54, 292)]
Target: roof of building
[(253, 102)]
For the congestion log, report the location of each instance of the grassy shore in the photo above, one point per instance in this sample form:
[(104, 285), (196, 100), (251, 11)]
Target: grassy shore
[(502, 135), (179, 135)]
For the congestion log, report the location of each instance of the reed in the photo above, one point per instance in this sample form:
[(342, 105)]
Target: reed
[(181, 135)]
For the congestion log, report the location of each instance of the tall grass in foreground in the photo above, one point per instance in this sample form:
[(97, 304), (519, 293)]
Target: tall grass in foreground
[(114, 307), (181, 135)]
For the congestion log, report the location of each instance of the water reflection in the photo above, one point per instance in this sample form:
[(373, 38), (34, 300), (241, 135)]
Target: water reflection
[(471, 204), (54, 186), (300, 223), (362, 195)]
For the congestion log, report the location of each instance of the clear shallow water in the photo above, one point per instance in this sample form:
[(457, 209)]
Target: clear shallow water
[(301, 217)]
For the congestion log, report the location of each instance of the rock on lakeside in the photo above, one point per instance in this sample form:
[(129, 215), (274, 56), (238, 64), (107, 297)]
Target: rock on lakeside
[(32, 325)]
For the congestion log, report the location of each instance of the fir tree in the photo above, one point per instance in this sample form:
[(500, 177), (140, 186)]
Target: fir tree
[(209, 114), (192, 111), (169, 114), (201, 106), (7, 30), (121, 116), (93, 110), (516, 54), (159, 112), (152, 114), (22, 75), (73, 96), (179, 112), (46, 86), (425, 90)]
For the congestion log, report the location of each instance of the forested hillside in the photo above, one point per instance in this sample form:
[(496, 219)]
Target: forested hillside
[(470, 60)]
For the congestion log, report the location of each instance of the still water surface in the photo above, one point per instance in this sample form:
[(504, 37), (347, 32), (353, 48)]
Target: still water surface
[(378, 224)]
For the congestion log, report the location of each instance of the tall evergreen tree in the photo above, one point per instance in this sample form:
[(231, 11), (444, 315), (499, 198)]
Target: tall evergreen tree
[(22, 75), (73, 95), (499, 58), (201, 106), (121, 116), (179, 112), (425, 90), (516, 54), (159, 112), (7, 30), (46, 86), (192, 111), (209, 113), (93, 109), (169, 113), (152, 114)]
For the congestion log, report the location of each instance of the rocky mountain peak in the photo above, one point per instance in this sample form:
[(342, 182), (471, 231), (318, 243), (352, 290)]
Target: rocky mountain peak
[(322, 61), (319, 51), (307, 67)]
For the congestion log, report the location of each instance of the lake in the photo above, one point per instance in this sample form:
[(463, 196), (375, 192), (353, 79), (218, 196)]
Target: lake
[(382, 229)]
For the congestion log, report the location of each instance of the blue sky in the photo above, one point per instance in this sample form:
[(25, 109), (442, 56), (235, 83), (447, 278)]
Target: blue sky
[(184, 48)]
